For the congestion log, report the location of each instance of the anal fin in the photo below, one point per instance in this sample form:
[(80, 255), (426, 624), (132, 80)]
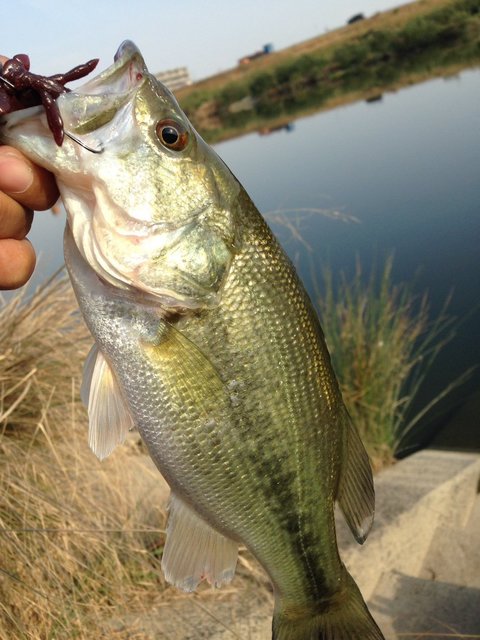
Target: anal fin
[(356, 494), (195, 551), (108, 414)]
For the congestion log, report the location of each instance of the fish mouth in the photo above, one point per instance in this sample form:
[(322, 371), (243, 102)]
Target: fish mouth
[(126, 72), (87, 108)]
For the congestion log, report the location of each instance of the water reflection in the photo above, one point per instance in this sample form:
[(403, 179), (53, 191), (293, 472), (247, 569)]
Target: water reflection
[(376, 60)]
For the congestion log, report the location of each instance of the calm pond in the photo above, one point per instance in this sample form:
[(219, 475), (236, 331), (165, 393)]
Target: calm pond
[(407, 167)]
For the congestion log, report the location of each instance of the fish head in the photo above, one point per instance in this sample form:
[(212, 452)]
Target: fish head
[(150, 205)]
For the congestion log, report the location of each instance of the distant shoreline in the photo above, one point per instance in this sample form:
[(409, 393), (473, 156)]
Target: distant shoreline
[(402, 46), (339, 36)]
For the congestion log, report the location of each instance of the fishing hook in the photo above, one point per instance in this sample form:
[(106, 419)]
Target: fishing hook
[(7, 82), (99, 149)]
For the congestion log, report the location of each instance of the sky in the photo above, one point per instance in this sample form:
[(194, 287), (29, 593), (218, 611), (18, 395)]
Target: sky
[(207, 36)]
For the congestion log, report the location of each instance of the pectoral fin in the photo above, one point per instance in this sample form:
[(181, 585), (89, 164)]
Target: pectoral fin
[(356, 495), (195, 551), (108, 414), (187, 371)]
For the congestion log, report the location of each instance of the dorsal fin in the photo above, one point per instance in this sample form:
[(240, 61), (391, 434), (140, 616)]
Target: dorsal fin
[(108, 414), (356, 494), (195, 551)]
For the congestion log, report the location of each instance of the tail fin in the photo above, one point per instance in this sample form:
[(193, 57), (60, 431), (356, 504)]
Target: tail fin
[(346, 617)]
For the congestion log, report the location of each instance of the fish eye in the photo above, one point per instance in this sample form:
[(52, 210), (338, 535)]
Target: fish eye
[(172, 134)]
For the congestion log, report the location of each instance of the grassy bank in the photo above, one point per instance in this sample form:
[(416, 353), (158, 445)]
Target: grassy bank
[(383, 343), (398, 47)]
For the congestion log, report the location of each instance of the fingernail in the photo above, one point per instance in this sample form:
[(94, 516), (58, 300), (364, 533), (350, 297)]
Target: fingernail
[(15, 175)]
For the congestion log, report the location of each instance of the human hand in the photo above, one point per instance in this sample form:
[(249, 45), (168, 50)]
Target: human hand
[(23, 188)]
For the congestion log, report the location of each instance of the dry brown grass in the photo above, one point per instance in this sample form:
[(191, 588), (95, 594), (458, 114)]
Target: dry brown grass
[(79, 540)]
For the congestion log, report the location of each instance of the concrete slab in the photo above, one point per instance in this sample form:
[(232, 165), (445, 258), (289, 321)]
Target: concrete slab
[(454, 555), (414, 497), (408, 607), (242, 612)]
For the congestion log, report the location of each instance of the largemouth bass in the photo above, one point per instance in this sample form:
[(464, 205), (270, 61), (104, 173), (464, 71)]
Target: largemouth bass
[(207, 342)]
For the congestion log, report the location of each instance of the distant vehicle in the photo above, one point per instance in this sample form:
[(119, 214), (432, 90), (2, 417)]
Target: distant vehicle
[(356, 18), (267, 48)]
